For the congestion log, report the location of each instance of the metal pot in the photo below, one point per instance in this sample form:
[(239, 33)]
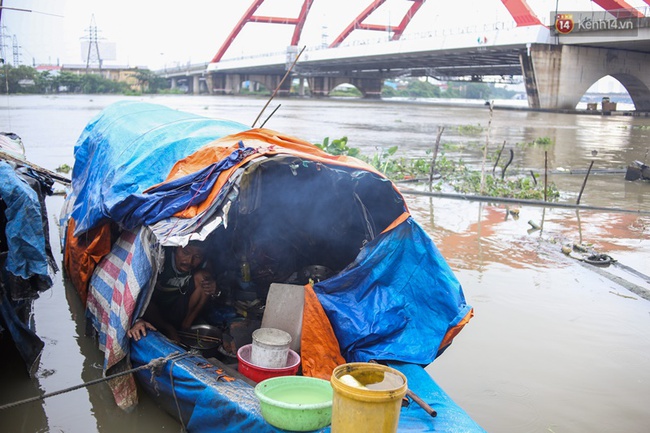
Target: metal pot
[(203, 338)]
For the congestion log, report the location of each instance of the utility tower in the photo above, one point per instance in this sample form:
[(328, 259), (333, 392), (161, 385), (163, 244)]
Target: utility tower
[(16, 50), (3, 45), (93, 56)]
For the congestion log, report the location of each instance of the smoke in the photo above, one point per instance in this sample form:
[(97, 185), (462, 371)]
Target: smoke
[(293, 213)]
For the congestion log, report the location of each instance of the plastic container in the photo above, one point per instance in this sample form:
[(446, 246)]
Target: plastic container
[(270, 347), (296, 403), (258, 374), (370, 400)]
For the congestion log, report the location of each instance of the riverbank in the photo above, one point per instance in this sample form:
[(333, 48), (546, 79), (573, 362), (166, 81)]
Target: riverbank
[(521, 105)]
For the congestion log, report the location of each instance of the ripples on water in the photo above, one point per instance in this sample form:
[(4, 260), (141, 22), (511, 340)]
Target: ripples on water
[(553, 347)]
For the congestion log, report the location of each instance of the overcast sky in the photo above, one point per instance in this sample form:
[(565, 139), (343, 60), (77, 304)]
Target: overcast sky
[(155, 33)]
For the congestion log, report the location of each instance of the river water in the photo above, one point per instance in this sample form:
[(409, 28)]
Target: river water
[(555, 345)]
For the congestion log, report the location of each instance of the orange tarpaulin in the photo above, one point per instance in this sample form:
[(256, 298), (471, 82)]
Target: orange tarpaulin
[(82, 255), (265, 142), (319, 347)]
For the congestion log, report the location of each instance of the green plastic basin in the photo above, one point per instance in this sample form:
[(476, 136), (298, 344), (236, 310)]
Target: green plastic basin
[(296, 403)]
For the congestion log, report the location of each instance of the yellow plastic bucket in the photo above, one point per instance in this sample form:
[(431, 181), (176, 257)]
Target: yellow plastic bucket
[(367, 397)]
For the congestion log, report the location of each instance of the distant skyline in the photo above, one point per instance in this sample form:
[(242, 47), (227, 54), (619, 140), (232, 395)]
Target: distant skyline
[(155, 34)]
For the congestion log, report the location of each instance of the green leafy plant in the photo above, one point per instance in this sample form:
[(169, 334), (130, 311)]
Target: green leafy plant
[(338, 147), (63, 168)]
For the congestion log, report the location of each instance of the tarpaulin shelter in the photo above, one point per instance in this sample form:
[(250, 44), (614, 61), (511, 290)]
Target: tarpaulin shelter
[(26, 260), (147, 177)]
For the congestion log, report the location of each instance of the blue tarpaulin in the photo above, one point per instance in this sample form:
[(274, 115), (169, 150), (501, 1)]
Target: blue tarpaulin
[(402, 275), (128, 148), (165, 200), (27, 256), (25, 269)]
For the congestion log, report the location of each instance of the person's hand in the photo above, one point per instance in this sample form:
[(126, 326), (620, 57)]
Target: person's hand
[(209, 285), (139, 329)]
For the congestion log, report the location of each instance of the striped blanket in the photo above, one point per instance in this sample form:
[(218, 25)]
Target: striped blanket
[(114, 299)]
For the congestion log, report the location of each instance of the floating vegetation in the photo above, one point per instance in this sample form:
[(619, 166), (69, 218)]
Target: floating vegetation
[(63, 168), (470, 129), (539, 141), (449, 174)]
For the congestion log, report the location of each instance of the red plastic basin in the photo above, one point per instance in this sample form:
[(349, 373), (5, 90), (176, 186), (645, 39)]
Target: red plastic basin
[(258, 374)]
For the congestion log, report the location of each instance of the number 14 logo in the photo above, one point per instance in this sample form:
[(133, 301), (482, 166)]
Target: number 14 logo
[(564, 23)]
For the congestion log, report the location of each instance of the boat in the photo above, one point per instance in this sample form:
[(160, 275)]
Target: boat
[(26, 260), (279, 217)]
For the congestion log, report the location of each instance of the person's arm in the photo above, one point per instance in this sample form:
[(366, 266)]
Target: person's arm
[(205, 281)]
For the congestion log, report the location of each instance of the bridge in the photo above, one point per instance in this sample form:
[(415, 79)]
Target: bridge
[(558, 60)]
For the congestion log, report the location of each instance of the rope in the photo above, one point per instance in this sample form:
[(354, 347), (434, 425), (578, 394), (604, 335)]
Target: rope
[(523, 202), (178, 407), (153, 364)]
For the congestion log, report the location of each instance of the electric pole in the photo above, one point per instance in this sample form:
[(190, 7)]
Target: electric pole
[(16, 50), (93, 56)]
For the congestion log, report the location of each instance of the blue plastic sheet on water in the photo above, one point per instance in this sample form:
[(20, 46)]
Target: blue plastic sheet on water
[(129, 147)]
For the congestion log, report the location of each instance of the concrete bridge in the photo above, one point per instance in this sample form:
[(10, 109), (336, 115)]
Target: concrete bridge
[(557, 66)]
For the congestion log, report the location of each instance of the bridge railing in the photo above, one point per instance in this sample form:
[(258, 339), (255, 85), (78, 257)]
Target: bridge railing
[(444, 32)]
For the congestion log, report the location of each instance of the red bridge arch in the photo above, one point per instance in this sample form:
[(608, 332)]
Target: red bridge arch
[(518, 9)]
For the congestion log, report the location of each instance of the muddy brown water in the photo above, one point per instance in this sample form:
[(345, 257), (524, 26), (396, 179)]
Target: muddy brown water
[(556, 345)]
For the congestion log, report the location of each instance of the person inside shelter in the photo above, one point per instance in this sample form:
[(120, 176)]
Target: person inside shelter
[(182, 289)]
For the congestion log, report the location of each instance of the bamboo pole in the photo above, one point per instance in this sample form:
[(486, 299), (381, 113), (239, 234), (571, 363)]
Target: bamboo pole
[(57, 177), (270, 115), (483, 198), (584, 183), (498, 158), (545, 173), (485, 149), (279, 85), (435, 154)]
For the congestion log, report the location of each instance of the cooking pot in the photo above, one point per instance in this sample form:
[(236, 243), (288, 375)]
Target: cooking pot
[(203, 338)]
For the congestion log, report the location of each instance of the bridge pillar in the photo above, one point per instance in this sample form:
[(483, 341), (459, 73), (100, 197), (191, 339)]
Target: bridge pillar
[(174, 82), (271, 82), (196, 89), (209, 84), (233, 84), (319, 86), (557, 76), (301, 86), (370, 87), (224, 84)]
